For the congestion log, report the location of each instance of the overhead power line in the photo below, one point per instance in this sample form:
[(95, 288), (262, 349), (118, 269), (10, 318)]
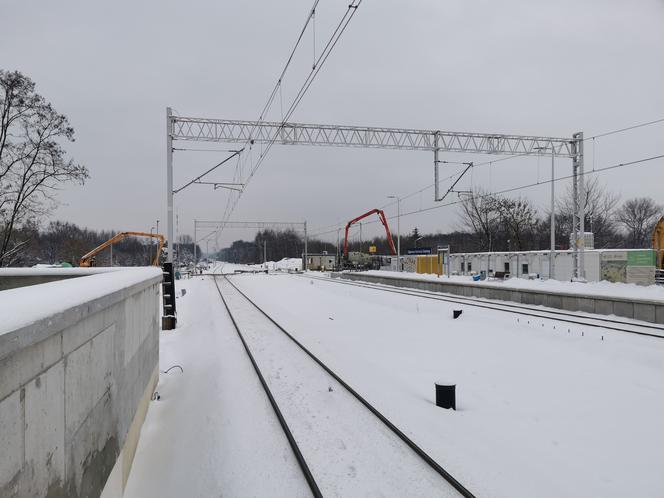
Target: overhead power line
[(621, 130), (508, 190), (317, 66), (493, 161)]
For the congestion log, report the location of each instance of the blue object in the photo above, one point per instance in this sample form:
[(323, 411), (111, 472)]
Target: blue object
[(477, 278)]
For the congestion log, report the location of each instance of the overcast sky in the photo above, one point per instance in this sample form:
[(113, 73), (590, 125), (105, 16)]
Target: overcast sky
[(536, 68)]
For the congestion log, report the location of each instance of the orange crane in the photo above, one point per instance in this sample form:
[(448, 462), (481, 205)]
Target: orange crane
[(383, 220), (88, 259)]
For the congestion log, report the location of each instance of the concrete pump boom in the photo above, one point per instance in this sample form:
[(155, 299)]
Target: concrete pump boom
[(383, 220)]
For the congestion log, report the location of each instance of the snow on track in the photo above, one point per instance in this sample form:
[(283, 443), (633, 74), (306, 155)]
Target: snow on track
[(350, 451), (542, 411), (213, 433), (610, 322)]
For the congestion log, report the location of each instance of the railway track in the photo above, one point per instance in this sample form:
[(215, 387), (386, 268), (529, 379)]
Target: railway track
[(367, 421), (577, 318)]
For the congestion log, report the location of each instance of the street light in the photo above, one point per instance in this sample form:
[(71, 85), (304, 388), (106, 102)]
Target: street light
[(398, 229)]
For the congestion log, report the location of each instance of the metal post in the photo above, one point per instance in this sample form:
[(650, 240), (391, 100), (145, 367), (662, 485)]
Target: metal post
[(578, 191), (169, 183), (264, 251), (436, 195), (552, 254), (111, 248), (306, 253), (399, 234), (338, 241), (582, 211), (195, 236)]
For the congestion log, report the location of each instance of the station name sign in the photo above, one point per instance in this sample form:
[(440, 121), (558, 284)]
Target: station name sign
[(419, 251)]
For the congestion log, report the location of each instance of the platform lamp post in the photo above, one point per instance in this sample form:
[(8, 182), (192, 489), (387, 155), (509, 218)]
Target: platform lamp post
[(398, 229)]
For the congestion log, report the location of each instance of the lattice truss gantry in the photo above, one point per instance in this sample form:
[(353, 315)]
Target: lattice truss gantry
[(263, 132)]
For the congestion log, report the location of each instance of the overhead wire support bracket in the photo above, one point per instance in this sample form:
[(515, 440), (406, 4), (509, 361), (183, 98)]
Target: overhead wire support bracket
[(226, 185), (451, 189), (197, 179)]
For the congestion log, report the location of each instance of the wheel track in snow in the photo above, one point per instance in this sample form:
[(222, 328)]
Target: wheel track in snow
[(643, 329), (460, 488)]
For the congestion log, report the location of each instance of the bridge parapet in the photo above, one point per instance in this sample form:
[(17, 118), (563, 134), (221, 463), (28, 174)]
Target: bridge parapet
[(78, 364)]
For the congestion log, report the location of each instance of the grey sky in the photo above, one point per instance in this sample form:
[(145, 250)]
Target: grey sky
[(543, 68)]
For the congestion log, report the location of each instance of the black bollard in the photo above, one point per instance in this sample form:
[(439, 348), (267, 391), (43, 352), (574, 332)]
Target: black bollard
[(456, 313), (446, 395)]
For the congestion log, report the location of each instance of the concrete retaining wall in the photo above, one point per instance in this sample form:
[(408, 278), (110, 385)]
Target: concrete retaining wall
[(75, 381), (648, 311)]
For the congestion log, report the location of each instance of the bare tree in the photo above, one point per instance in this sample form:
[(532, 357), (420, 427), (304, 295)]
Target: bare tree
[(480, 217), (32, 161), (599, 205), (518, 220), (638, 216)]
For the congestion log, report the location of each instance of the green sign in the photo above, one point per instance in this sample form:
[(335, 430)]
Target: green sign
[(641, 258)]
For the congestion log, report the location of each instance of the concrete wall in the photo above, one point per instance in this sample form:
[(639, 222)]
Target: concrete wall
[(75, 381), (648, 311)]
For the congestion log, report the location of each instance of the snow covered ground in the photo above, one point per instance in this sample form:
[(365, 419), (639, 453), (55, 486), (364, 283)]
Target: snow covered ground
[(603, 288), (542, 411)]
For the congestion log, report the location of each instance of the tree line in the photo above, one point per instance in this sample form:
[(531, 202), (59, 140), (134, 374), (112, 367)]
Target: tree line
[(63, 242), (488, 222)]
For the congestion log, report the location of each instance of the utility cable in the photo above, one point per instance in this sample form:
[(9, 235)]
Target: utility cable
[(513, 189), (333, 40)]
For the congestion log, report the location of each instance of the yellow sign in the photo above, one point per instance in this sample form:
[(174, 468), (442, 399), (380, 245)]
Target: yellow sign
[(372, 249)]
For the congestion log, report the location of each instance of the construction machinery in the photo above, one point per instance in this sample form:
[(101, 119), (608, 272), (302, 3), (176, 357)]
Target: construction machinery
[(88, 259), (361, 260)]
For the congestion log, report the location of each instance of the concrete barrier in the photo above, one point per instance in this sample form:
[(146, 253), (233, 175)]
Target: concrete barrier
[(639, 309), (78, 364)]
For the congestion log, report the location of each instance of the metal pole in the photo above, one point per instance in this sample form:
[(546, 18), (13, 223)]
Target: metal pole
[(436, 195), (578, 225), (338, 241), (111, 255), (552, 254), (306, 253), (582, 211), (169, 183), (195, 236), (264, 251), (399, 233)]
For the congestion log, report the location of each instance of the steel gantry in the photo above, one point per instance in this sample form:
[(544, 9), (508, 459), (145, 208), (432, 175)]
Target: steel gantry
[(436, 141)]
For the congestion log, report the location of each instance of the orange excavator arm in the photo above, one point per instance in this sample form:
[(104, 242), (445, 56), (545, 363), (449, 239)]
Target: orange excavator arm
[(383, 220), (87, 258)]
